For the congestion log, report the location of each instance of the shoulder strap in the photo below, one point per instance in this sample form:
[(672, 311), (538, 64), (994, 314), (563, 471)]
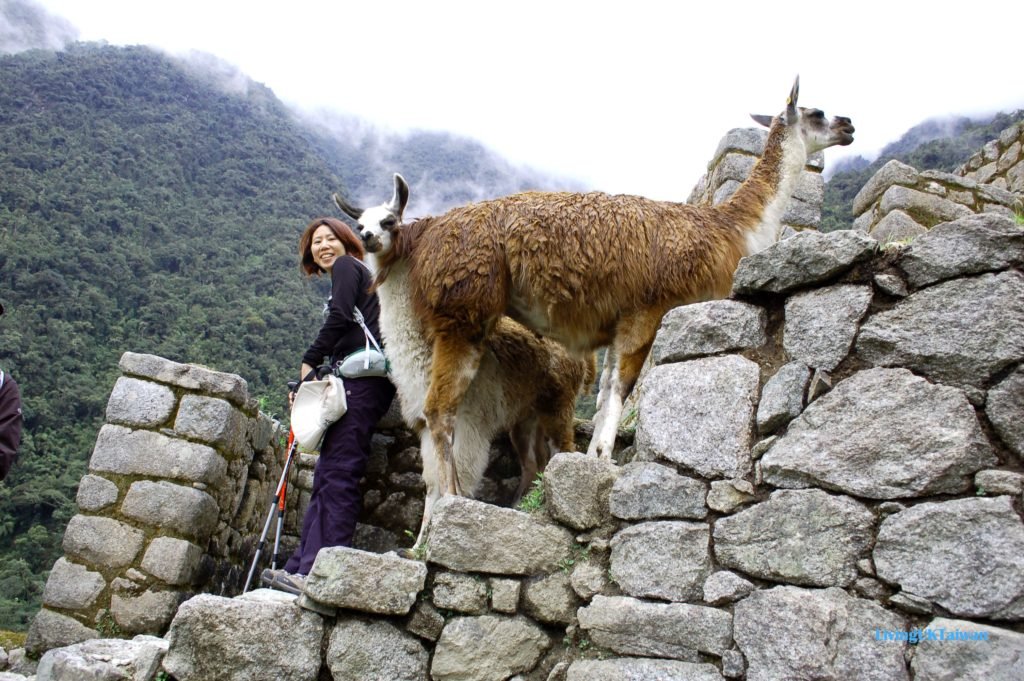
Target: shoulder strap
[(358, 314)]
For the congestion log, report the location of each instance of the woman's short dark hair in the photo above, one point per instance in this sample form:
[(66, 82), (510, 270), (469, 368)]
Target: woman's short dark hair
[(353, 244)]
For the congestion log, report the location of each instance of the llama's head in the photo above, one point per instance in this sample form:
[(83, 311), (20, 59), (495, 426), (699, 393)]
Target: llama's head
[(378, 224), (808, 125)]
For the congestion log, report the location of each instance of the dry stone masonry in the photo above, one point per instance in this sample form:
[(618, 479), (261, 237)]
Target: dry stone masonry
[(900, 203), (822, 479)]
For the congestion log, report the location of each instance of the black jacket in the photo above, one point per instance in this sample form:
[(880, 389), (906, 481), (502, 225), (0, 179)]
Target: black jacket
[(10, 422), (341, 335)]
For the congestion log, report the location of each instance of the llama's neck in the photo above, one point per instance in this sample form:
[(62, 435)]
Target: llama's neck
[(759, 203), (406, 345)]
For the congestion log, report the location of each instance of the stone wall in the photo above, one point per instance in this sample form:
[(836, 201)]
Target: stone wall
[(178, 492), (819, 485), (899, 203)]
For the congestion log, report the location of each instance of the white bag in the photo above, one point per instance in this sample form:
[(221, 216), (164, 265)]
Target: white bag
[(317, 405)]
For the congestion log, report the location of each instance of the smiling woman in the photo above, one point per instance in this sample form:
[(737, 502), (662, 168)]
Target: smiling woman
[(327, 245)]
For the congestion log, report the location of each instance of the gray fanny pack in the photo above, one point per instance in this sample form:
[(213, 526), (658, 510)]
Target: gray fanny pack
[(370, 361)]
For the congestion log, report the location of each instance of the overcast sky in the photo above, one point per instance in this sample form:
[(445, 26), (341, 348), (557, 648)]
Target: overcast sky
[(629, 96)]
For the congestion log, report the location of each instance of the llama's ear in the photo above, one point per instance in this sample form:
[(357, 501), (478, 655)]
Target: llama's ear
[(766, 121), (346, 208), (400, 198), (794, 94)]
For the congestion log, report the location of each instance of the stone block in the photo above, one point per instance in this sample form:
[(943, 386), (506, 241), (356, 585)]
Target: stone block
[(140, 404)]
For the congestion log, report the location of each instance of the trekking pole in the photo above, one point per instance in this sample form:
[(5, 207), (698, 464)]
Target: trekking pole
[(282, 494), (277, 503)]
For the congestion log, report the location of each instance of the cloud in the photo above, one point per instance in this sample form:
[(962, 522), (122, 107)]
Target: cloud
[(26, 26)]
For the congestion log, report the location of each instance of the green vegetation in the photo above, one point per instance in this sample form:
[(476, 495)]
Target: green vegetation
[(533, 500), (579, 554), (933, 145)]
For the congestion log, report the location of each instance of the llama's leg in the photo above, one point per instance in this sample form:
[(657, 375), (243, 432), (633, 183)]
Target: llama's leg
[(523, 437), (455, 363), (430, 480), (605, 390), (631, 347)]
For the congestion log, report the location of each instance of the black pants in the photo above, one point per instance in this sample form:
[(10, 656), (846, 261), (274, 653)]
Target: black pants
[(336, 501)]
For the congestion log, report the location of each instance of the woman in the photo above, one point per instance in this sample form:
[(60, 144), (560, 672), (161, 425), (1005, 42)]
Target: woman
[(328, 245)]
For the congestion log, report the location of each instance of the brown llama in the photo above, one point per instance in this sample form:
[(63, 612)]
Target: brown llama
[(589, 270), (525, 385)]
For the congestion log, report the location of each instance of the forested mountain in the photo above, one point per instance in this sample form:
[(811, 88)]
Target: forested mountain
[(940, 144), (145, 206)]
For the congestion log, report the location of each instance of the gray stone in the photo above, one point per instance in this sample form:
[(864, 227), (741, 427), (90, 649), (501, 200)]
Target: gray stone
[(104, 660), (678, 631), (734, 167), (1004, 406), (95, 493), (51, 630), (664, 559), (793, 633), (576, 489), (147, 613), (709, 328), (733, 664), (459, 592), (104, 542), (375, 651), (505, 595), (588, 579), (982, 322), (640, 669), (170, 507), (745, 140), (242, 639), (725, 587), (941, 657), (550, 599), (970, 245), (173, 561), (891, 284), (908, 602), (647, 490), (72, 587), (380, 584), (882, 434), (999, 482), (806, 537), (897, 227), (700, 414), (232, 388), (471, 536), (864, 222), (805, 214), (140, 404), (891, 173), (426, 622), (487, 647), (821, 324), (963, 555), (783, 397), (925, 209), (728, 495), (213, 421), (808, 258), (123, 451)]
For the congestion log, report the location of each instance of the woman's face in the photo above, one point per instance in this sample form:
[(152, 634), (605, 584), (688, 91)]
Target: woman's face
[(325, 247)]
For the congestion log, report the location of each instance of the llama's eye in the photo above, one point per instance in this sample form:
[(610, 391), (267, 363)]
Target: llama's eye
[(388, 223), (818, 113)]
